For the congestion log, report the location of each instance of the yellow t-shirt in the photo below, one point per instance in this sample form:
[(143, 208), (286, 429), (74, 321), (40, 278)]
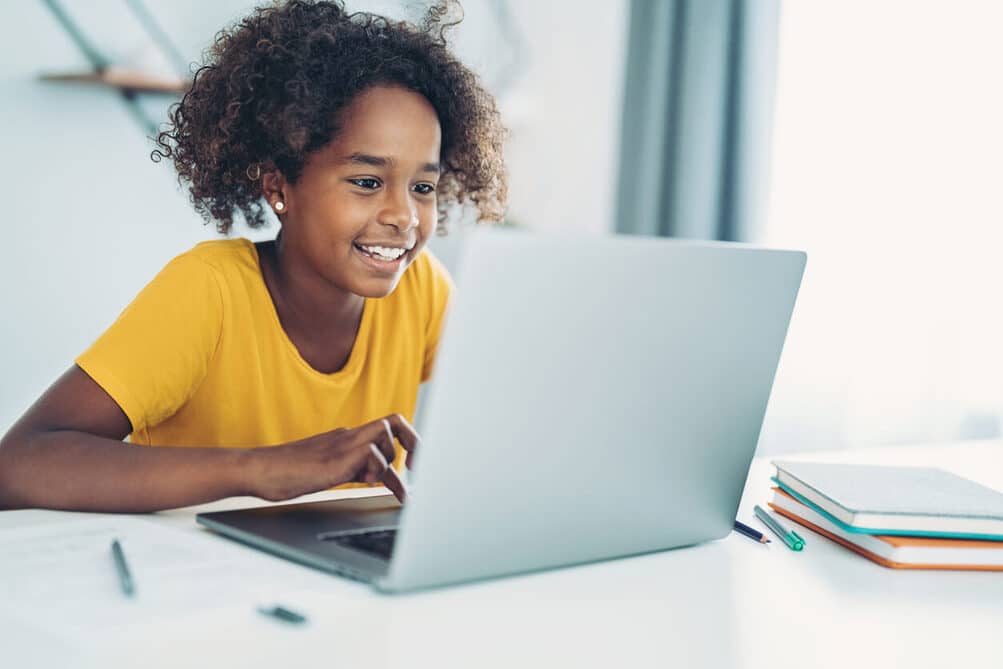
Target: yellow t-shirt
[(200, 358)]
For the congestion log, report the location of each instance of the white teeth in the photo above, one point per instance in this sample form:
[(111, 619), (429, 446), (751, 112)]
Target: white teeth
[(385, 253)]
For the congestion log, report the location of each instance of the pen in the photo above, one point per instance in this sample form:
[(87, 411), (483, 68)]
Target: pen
[(790, 537), (284, 614), (742, 528), (124, 577)]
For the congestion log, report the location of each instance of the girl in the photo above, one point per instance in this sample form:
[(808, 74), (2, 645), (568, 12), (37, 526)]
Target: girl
[(358, 133)]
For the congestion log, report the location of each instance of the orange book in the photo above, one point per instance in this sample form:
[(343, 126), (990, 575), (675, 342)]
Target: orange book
[(897, 552)]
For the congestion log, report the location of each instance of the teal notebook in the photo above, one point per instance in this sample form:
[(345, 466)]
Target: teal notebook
[(917, 501)]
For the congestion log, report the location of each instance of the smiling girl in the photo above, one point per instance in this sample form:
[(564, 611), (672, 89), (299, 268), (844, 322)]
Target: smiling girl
[(358, 133)]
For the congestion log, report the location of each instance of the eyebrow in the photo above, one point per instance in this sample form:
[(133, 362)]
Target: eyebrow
[(381, 161)]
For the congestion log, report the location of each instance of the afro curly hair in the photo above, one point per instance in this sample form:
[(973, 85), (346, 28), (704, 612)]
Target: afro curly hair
[(272, 88)]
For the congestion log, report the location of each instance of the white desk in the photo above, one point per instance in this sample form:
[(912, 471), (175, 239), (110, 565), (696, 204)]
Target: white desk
[(730, 603)]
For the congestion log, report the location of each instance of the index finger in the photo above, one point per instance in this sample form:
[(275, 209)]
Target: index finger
[(396, 426), (393, 481)]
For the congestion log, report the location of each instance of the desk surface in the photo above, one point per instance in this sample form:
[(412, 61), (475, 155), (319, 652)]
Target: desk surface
[(729, 603)]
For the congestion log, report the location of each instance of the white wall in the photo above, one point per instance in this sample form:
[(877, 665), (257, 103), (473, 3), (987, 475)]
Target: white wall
[(565, 115), (89, 218)]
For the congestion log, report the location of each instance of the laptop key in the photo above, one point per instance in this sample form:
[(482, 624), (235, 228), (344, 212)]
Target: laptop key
[(379, 543)]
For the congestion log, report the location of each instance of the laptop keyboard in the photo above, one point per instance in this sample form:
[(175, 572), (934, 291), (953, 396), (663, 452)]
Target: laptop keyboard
[(379, 543)]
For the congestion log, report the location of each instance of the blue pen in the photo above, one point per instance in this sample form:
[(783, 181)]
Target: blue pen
[(742, 528)]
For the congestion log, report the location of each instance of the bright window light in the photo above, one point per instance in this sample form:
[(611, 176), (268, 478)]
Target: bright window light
[(888, 170)]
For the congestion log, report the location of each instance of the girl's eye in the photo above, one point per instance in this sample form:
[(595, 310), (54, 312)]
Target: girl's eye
[(424, 189), (368, 184)]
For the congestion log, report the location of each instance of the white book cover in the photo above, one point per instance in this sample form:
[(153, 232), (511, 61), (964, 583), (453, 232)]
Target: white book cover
[(879, 497)]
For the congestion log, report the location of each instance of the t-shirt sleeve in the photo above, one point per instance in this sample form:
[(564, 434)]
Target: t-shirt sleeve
[(440, 289), (156, 354)]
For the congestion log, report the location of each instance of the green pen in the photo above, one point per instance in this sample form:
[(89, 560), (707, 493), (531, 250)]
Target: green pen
[(790, 537)]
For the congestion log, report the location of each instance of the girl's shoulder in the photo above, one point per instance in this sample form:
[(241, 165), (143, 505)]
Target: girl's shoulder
[(207, 268), (219, 260), (224, 253)]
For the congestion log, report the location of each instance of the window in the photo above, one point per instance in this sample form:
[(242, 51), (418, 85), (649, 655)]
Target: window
[(888, 170)]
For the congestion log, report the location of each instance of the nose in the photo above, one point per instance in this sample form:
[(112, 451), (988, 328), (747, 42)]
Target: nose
[(399, 211)]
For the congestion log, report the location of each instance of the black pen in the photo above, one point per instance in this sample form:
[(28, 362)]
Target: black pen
[(284, 614), (124, 577), (742, 528)]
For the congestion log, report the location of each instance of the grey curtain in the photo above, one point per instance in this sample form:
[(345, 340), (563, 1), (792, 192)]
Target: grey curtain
[(697, 118)]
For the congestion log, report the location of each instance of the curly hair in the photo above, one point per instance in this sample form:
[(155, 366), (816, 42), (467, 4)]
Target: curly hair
[(272, 88)]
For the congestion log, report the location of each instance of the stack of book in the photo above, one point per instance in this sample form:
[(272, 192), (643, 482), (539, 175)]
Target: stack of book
[(900, 517)]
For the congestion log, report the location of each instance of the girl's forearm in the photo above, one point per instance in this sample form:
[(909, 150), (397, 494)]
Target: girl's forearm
[(76, 471)]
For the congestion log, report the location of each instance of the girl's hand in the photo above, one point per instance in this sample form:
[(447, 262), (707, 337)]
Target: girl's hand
[(344, 455)]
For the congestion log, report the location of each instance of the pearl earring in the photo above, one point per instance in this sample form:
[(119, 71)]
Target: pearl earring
[(279, 206)]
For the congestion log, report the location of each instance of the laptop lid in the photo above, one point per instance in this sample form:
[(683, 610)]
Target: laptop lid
[(593, 398)]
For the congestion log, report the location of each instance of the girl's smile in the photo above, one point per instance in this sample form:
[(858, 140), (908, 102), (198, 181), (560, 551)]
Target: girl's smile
[(384, 258)]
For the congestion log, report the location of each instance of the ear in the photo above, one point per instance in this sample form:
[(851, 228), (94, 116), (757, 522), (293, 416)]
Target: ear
[(274, 187)]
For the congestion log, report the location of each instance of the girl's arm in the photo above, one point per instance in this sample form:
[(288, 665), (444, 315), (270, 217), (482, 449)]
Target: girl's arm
[(66, 452)]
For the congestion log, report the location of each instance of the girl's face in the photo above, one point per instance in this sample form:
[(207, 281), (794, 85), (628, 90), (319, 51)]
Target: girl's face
[(365, 204)]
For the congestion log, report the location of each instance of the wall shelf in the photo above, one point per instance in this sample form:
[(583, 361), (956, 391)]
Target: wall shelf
[(128, 82), (125, 79)]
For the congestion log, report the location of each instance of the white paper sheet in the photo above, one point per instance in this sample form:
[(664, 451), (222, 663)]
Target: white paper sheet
[(60, 578)]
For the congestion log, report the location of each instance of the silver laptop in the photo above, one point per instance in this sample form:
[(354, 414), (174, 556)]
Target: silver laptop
[(594, 398)]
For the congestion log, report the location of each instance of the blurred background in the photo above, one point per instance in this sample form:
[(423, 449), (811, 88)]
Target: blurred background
[(867, 133)]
